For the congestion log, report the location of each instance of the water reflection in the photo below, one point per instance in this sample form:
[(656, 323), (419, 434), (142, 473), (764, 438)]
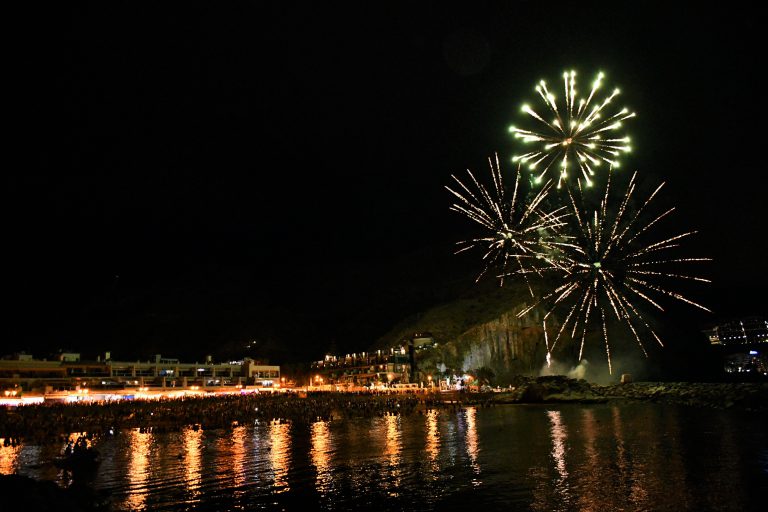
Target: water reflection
[(593, 480), (589, 433), (280, 455), (138, 468), (433, 439), (193, 440), (602, 457), (321, 456), (630, 468), (559, 436), (393, 444), (671, 455), (723, 493), (238, 458), (470, 441), (9, 456), (392, 448), (618, 439), (450, 447)]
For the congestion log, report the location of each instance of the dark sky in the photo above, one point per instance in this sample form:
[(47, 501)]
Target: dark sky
[(193, 176)]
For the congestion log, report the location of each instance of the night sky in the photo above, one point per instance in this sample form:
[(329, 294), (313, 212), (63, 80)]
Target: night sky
[(193, 177)]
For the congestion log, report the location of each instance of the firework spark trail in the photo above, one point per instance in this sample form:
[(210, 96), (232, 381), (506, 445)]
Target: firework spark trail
[(517, 235), (574, 134), (605, 267)]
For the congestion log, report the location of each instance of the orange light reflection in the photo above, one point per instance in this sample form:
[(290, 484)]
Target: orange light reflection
[(392, 450), (192, 464), (138, 469), (471, 442), (433, 438), (238, 458), (280, 455), (321, 456), (9, 456)]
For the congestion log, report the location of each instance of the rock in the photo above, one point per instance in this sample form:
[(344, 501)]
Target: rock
[(746, 396), (532, 393)]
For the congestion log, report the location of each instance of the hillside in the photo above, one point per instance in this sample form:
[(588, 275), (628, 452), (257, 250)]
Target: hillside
[(481, 329)]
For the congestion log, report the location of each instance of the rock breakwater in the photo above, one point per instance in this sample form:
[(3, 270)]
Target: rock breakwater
[(560, 389)]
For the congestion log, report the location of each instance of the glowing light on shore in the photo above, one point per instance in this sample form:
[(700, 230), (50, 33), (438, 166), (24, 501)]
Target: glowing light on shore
[(575, 134), (24, 400)]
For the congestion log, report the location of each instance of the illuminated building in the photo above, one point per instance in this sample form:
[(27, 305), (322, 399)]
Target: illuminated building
[(71, 372), (740, 332), (745, 343), (363, 369), (752, 361)]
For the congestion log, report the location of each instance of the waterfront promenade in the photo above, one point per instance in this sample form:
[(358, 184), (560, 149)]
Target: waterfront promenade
[(54, 422)]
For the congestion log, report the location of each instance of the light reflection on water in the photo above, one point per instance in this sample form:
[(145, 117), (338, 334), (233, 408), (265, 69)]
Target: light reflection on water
[(433, 439), (279, 455), (631, 470), (471, 443), (559, 437), (9, 456), (392, 449), (192, 463), (321, 456), (600, 457), (138, 468), (237, 451)]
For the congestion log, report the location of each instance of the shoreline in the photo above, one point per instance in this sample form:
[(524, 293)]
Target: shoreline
[(55, 422), (747, 396)]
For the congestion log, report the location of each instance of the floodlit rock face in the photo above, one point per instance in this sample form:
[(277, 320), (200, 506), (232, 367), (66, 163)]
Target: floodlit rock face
[(508, 345), (482, 330)]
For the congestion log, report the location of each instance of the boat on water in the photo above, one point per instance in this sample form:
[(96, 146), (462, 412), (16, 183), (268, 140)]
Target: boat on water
[(79, 457)]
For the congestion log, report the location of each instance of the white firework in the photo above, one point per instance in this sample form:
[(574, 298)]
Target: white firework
[(518, 237), (578, 135), (611, 262)]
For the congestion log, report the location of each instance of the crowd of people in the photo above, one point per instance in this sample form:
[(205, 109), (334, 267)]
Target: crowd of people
[(53, 423)]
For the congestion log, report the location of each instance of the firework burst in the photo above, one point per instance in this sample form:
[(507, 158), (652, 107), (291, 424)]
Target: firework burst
[(580, 134), (517, 234), (609, 267)]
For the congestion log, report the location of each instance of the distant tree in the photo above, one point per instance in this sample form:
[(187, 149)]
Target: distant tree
[(484, 376)]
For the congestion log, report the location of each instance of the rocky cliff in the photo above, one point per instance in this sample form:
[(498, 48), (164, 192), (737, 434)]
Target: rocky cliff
[(482, 329), (479, 330)]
